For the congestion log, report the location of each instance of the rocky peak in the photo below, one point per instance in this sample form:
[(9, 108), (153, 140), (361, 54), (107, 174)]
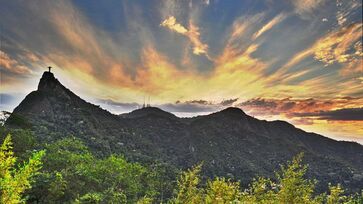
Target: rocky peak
[(48, 82)]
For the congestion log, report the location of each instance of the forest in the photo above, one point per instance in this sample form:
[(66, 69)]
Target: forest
[(66, 171)]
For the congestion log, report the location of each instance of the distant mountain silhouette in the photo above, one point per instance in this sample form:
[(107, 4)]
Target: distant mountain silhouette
[(230, 142)]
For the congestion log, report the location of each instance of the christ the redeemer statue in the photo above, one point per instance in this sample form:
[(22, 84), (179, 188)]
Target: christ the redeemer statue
[(49, 68)]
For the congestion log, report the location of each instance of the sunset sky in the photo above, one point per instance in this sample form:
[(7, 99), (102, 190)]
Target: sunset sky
[(293, 60)]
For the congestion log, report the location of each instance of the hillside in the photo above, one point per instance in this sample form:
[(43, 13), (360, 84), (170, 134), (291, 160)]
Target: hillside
[(230, 142)]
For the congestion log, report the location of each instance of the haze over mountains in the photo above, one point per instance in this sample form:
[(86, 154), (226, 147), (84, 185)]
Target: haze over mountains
[(229, 143)]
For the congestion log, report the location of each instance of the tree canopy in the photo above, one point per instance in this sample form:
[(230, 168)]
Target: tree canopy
[(70, 173)]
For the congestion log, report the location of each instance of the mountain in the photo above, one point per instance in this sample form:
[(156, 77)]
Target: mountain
[(147, 112), (230, 143)]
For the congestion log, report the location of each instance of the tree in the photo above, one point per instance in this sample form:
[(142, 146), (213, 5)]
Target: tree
[(221, 190), (293, 188), (335, 195), (14, 181), (260, 191), (187, 189)]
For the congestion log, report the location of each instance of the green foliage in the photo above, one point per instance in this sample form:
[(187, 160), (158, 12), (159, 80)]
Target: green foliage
[(261, 190), (14, 181), (117, 176), (335, 195), (293, 188), (57, 187), (188, 191), (73, 174), (145, 200), (66, 154), (18, 121), (221, 190), (162, 180), (24, 141), (97, 197), (290, 187)]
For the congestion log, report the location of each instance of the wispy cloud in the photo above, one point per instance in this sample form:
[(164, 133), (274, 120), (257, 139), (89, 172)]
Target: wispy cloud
[(338, 46), (340, 114), (277, 19), (304, 7), (192, 33)]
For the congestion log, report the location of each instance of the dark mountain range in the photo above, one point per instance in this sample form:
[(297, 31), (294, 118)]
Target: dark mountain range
[(230, 143)]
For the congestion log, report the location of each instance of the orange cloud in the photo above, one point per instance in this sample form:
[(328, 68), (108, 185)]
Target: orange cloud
[(334, 46), (12, 65)]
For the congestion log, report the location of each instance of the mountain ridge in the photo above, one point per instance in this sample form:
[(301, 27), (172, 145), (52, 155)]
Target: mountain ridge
[(229, 142)]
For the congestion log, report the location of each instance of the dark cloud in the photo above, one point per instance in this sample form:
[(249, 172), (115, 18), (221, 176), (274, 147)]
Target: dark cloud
[(340, 114), (259, 102), (201, 102), (187, 107), (306, 111), (197, 106), (110, 102), (228, 102), (291, 107)]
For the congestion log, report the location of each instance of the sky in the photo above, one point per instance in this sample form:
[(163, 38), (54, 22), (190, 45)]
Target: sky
[(293, 60)]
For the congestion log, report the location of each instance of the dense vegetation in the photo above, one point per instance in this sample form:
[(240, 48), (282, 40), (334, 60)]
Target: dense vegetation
[(71, 173)]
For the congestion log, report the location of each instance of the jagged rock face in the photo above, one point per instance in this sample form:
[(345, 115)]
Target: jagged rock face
[(229, 142)]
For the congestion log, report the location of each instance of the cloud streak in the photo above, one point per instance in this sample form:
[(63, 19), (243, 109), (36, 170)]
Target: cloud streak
[(342, 46), (290, 107), (192, 33), (277, 19), (348, 114)]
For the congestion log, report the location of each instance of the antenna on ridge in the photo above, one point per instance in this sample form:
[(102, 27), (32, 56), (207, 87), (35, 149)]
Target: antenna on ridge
[(143, 105), (148, 105)]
